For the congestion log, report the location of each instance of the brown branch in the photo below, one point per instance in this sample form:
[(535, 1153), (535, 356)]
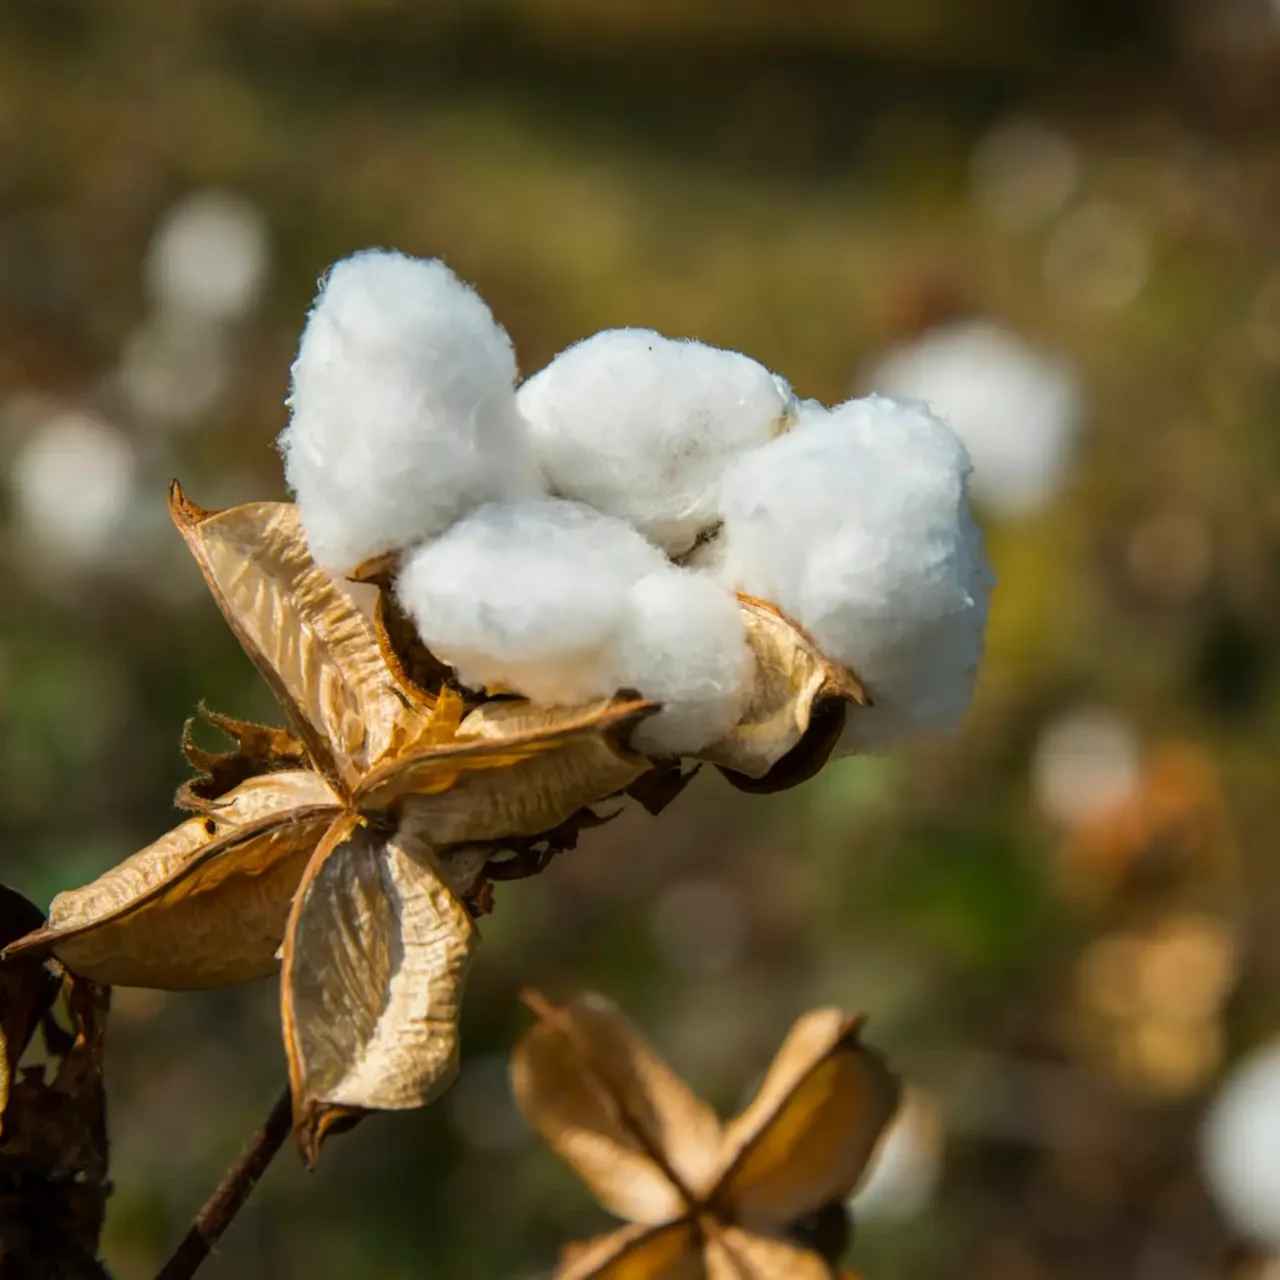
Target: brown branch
[(231, 1194)]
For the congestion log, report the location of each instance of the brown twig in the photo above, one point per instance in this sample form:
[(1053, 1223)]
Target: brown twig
[(232, 1192)]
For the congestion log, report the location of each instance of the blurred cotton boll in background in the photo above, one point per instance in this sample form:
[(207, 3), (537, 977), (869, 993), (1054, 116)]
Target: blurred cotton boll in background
[(174, 368), (905, 1170), (1099, 258), (209, 256), (1087, 760), (1024, 172), (73, 481), (1240, 1146), (1018, 409)]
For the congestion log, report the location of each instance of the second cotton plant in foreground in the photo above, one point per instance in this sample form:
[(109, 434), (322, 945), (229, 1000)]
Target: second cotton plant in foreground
[(495, 606)]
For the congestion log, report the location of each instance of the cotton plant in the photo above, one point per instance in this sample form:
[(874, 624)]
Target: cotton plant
[(494, 606)]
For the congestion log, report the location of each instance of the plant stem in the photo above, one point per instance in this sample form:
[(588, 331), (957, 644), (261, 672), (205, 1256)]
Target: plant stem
[(232, 1192)]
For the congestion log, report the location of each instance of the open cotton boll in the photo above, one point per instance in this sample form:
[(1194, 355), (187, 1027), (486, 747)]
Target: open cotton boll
[(642, 426), (403, 409), (1017, 409), (684, 645), (1240, 1146), (530, 595), (858, 525)]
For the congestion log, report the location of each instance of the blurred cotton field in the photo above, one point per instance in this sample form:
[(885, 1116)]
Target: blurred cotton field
[(1055, 223)]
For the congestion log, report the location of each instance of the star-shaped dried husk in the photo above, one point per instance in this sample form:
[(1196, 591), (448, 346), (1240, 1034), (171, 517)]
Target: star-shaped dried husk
[(704, 1201), (53, 1135), (328, 845), (351, 844)]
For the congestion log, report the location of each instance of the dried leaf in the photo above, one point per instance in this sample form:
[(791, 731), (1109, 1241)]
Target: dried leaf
[(793, 682), (806, 1137), (609, 1107), (28, 988), (514, 770), (734, 1254), (312, 644), (669, 1252), (375, 959), (259, 749), (53, 1154), (203, 906)]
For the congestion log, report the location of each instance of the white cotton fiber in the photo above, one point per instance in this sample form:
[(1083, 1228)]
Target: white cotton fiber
[(684, 645), (1017, 409), (857, 524), (403, 409), (642, 426), (529, 595)]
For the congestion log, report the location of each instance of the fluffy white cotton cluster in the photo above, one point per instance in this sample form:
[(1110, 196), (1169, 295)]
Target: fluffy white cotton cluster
[(1018, 409), (403, 409), (857, 524), (641, 426), (564, 604), (537, 532)]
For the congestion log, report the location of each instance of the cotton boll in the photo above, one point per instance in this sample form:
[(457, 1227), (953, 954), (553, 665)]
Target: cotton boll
[(209, 256), (73, 483), (403, 409), (1240, 1146), (642, 426), (1017, 409), (531, 595), (683, 644), (857, 524)]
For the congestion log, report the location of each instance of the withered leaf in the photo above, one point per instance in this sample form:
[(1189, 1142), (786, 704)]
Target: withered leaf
[(667, 1252), (792, 679), (734, 1254), (312, 644), (375, 961), (805, 1138), (206, 904), (28, 988), (613, 1110), (53, 1154)]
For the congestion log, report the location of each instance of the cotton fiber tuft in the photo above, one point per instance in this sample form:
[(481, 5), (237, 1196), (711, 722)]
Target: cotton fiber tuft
[(683, 644), (403, 409), (531, 596), (641, 426), (857, 524)]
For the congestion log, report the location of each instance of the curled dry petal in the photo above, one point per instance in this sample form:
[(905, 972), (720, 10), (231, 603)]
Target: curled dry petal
[(375, 960), (670, 1251), (807, 1135), (734, 1254), (312, 644), (203, 906), (796, 689), (514, 770), (609, 1107)]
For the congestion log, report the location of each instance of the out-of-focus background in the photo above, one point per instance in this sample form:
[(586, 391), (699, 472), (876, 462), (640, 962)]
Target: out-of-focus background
[(1057, 219)]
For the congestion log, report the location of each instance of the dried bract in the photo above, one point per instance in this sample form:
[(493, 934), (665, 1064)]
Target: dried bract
[(704, 1201)]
